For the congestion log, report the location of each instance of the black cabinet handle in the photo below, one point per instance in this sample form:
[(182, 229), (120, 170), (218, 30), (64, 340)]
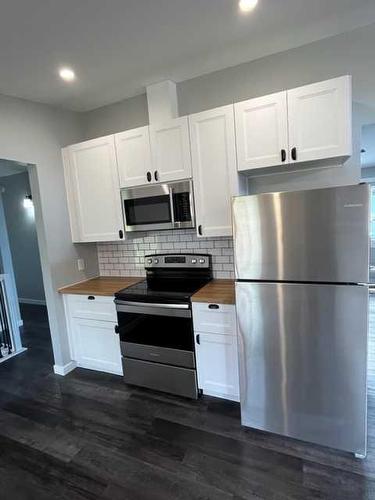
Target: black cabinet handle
[(90, 297), (121, 234), (200, 232), (213, 306), (283, 155), (294, 154), (198, 339), (149, 176), (117, 329), (156, 175)]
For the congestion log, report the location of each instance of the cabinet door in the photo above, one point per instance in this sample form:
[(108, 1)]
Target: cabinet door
[(214, 169), (96, 345), (217, 365), (134, 157), (262, 131), (170, 148), (320, 120), (93, 190)]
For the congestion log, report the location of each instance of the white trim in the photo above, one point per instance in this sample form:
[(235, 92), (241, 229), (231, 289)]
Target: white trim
[(65, 369), (23, 349), (32, 301)]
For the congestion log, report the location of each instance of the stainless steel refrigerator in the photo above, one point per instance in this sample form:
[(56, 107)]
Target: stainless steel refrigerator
[(302, 264)]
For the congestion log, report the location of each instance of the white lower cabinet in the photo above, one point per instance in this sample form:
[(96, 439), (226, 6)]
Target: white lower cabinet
[(216, 350), (91, 324)]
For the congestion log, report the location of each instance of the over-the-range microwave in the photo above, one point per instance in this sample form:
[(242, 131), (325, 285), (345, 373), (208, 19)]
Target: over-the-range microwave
[(160, 206)]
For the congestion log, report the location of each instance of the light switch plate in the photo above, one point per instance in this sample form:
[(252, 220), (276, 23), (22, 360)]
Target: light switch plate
[(81, 264)]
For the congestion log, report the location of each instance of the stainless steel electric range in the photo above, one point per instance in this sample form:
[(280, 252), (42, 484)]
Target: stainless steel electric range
[(155, 323)]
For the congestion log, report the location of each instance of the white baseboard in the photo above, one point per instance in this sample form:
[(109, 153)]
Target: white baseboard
[(32, 301), (5, 358), (65, 369)]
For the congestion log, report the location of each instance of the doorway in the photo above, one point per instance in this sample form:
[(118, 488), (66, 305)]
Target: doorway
[(21, 270)]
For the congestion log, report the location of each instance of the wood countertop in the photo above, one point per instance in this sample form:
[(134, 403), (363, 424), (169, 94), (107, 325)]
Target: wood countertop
[(106, 286), (216, 292)]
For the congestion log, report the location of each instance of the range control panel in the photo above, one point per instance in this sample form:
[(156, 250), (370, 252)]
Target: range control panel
[(177, 260)]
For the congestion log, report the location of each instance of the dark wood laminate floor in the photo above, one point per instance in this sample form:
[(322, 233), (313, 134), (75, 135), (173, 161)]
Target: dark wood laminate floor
[(88, 436)]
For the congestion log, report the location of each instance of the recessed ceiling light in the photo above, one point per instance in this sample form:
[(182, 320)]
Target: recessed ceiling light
[(247, 5), (67, 74)]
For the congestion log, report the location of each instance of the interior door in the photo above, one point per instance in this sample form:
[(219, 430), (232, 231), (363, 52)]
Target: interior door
[(262, 132), (134, 157), (320, 117), (170, 147), (93, 190), (303, 361), (214, 167)]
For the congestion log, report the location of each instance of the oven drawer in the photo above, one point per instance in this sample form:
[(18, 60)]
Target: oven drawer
[(165, 378), (158, 354)]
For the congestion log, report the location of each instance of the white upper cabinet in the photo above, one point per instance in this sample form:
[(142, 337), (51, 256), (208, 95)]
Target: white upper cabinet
[(320, 120), (312, 123), (134, 157), (214, 167), (262, 131), (93, 190), (170, 150)]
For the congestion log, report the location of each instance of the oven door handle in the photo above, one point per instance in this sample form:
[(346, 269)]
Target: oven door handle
[(177, 310), (151, 304)]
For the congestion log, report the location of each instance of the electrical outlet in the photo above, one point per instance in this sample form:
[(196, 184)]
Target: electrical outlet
[(81, 264)]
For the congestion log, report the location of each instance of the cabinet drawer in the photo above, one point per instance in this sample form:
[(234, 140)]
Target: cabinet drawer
[(92, 307), (214, 318)]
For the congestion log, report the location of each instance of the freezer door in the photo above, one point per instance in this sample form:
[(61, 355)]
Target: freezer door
[(303, 355), (317, 235)]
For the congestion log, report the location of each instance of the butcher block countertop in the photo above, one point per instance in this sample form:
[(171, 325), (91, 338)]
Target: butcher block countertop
[(216, 292), (106, 286)]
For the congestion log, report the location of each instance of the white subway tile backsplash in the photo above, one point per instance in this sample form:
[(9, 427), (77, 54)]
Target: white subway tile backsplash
[(127, 258)]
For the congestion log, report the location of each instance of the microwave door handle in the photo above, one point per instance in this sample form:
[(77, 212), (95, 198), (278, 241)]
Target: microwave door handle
[(171, 206)]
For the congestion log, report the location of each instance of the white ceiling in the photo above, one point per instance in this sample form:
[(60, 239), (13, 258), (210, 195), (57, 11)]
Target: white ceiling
[(117, 47)]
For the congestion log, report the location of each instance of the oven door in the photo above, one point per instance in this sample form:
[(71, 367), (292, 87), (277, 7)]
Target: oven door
[(160, 333), (147, 208)]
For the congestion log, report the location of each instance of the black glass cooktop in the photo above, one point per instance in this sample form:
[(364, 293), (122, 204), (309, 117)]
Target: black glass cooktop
[(166, 290)]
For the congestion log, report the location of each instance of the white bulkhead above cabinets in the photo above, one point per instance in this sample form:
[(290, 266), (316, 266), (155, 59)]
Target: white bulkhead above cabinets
[(218, 148)]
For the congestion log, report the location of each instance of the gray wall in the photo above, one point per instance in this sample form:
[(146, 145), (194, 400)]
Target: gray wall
[(22, 237), (124, 115), (349, 53), (35, 133)]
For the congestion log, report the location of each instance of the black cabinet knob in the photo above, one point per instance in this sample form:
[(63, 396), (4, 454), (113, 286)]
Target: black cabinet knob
[(121, 234), (294, 154), (213, 306), (200, 230), (117, 329), (90, 297), (156, 175), (149, 176), (283, 155), (198, 339)]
